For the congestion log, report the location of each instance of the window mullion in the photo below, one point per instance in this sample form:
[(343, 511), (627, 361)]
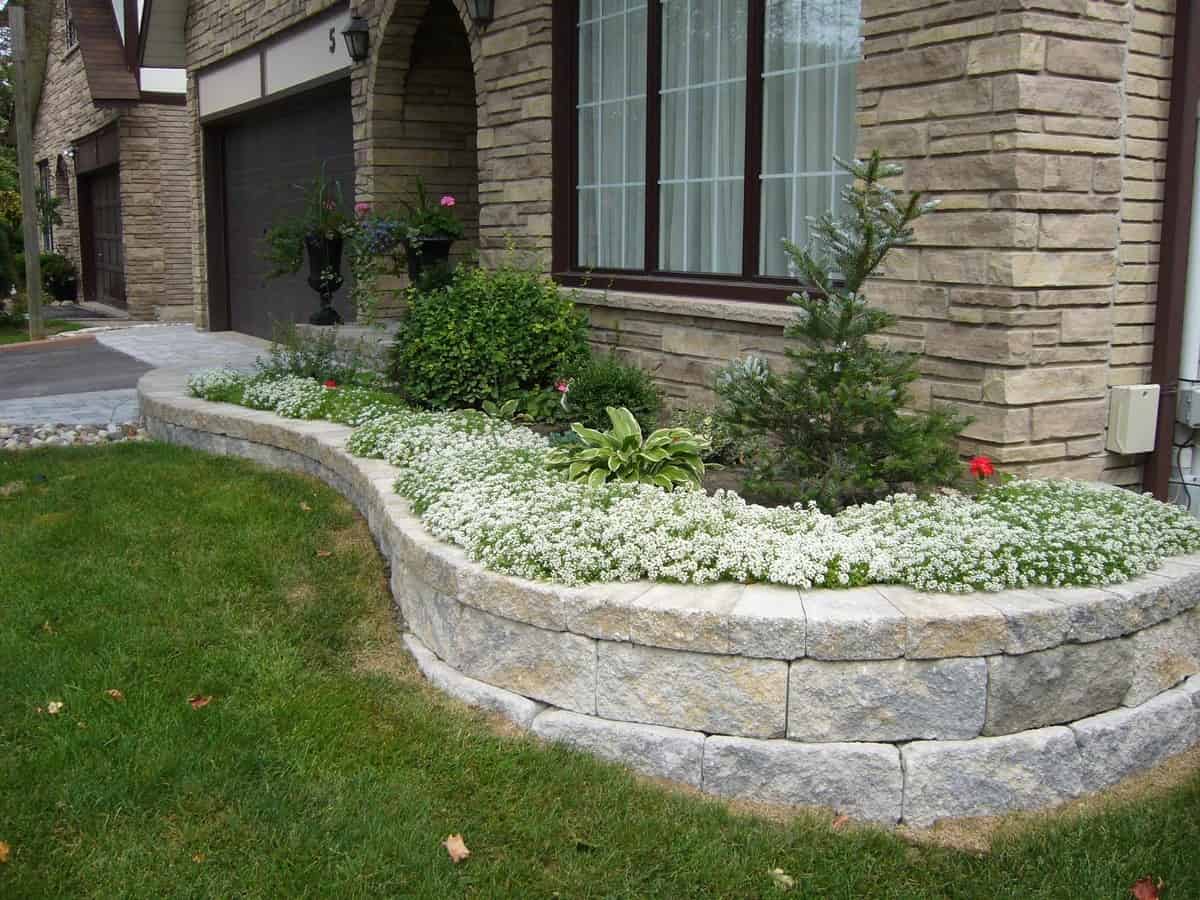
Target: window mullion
[(654, 14), (752, 202)]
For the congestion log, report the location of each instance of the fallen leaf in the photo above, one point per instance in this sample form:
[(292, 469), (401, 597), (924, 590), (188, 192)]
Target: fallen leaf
[(1146, 889), (198, 857), (54, 707), (324, 553), (782, 879), (5, 850), (39, 710), (456, 848), (47, 628), (12, 488), (304, 506), (840, 822), (199, 701), (114, 694)]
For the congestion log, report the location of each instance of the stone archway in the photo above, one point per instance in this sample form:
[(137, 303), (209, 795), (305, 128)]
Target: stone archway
[(421, 112)]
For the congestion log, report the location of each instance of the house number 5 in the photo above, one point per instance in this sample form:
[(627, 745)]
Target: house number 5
[(332, 41)]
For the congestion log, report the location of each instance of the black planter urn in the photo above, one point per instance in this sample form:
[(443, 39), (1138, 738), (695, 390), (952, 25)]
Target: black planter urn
[(325, 275), (426, 253)]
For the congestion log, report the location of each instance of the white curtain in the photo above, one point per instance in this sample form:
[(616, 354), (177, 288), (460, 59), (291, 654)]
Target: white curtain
[(811, 52), (703, 135), (612, 133)]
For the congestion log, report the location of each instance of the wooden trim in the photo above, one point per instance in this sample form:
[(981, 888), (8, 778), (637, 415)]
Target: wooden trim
[(1178, 192), (164, 98), (87, 243), (220, 315), (131, 40), (653, 189), (142, 27), (564, 158), (707, 286)]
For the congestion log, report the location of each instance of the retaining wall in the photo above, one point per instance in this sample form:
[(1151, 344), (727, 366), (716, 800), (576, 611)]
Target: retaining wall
[(882, 702)]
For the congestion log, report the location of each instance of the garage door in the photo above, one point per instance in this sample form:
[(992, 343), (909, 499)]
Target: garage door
[(267, 154)]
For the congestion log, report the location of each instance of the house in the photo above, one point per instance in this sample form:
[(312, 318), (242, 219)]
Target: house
[(655, 153), (112, 142)]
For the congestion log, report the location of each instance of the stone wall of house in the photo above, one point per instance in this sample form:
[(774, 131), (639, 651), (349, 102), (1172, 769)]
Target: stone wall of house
[(64, 114), (154, 163), (1025, 293)]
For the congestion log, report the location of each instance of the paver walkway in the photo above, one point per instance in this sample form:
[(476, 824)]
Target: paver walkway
[(89, 383)]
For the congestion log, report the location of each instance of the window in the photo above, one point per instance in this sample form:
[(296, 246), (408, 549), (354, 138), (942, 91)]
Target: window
[(69, 18), (44, 197), (704, 132)]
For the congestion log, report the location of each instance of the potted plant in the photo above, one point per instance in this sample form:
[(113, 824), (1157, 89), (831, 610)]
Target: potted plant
[(318, 233), (429, 230)]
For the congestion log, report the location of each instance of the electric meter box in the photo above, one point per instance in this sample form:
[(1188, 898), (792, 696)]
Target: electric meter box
[(1132, 418)]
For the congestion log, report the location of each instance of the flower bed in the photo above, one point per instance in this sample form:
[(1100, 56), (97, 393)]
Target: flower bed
[(482, 484)]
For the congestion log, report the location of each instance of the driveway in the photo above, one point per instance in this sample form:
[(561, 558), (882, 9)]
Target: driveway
[(92, 380)]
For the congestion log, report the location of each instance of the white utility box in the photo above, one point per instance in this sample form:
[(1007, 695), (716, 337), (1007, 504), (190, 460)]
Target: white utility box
[(1132, 418)]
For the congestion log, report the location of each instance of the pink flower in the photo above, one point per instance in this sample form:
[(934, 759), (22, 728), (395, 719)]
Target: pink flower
[(330, 384), (448, 201), (562, 386), (362, 208)]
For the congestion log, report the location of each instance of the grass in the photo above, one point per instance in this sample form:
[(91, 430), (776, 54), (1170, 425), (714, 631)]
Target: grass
[(324, 766), (9, 335)]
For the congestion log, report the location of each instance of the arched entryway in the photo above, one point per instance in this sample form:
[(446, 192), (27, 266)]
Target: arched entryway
[(422, 113)]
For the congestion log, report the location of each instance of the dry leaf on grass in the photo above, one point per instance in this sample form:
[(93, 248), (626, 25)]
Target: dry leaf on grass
[(54, 707), (456, 848), (12, 488), (304, 506), (839, 822), (782, 879), (198, 857), (1146, 889), (5, 851), (114, 694), (199, 701), (324, 553)]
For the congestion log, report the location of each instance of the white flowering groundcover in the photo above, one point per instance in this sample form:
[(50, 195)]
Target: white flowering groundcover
[(482, 484)]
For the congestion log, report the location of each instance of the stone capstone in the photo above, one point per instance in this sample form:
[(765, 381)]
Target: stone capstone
[(1163, 655)]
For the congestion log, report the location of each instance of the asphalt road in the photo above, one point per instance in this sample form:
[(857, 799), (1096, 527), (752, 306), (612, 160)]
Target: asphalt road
[(73, 368)]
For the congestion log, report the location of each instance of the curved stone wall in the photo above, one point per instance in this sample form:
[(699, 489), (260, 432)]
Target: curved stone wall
[(884, 703)]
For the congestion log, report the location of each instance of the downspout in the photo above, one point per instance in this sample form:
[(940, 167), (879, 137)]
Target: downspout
[(1173, 272)]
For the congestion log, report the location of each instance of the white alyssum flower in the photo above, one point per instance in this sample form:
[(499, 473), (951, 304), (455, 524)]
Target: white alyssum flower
[(482, 483), (215, 383)]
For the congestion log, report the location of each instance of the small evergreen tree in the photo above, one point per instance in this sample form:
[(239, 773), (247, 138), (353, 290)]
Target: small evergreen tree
[(835, 423)]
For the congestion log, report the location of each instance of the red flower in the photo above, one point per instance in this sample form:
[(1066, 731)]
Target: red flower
[(981, 467), (331, 384), (562, 386)]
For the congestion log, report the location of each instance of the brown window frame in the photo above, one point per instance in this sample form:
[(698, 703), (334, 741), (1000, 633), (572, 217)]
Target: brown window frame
[(46, 228), (746, 285)]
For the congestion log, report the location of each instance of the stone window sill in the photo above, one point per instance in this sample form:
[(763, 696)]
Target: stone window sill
[(745, 311)]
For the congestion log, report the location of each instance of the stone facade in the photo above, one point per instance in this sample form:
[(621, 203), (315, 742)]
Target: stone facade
[(1039, 125), (154, 161)]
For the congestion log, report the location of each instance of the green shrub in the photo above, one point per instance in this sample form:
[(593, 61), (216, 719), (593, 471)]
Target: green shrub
[(488, 335), (307, 355), (60, 277), (728, 444), (604, 381), (835, 424), (668, 458)]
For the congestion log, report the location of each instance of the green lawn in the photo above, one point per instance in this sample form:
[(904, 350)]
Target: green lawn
[(53, 326), (324, 767)]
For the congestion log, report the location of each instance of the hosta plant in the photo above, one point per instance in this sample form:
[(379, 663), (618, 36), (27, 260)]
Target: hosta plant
[(668, 458)]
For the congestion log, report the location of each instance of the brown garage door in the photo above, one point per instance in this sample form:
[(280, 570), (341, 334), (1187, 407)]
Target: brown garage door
[(266, 154), (104, 275)]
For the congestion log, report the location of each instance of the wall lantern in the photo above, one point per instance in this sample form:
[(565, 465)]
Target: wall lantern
[(482, 11), (358, 38)]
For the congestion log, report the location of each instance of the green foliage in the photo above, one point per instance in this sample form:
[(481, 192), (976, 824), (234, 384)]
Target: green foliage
[(321, 215), (728, 445), (317, 356), (668, 458), (836, 425), (60, 277), (48, 209), (8, 261), (603, 381), (426, 218), (489, 335)]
